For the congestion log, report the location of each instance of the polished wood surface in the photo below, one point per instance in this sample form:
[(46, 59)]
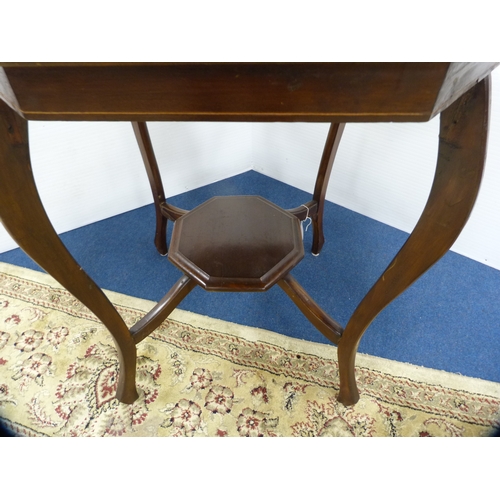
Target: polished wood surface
[(461, 156), (244, 244), (311, 310), (322, 180), (320, 92), (314, 209), (148, 157), (24, 217), (236, 243)]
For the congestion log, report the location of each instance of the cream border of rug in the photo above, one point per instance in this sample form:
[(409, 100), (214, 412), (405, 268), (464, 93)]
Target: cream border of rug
[(395, 368)]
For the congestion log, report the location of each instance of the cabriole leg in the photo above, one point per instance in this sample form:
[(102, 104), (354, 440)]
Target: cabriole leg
[(461, 158), (24, 217)]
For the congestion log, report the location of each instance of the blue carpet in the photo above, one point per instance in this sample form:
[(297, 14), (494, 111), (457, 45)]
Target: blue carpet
[(448, 320)]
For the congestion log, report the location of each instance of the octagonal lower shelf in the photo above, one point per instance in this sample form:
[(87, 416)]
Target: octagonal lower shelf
[(236, 243)]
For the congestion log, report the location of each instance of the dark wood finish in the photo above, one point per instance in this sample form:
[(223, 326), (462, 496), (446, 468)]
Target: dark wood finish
[(322, 321), (236, 243), (25, 219), (164, 211), (460, 77), (162, 310), (318, 92), (316, 207), (325, 168), (144, 141), (242, 244), (461, 157), (313, 209)]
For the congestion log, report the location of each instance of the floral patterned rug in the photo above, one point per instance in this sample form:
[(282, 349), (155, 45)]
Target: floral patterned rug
[(203, 377)]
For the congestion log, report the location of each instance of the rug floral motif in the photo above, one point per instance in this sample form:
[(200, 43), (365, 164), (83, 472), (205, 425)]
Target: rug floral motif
[(59, 369)]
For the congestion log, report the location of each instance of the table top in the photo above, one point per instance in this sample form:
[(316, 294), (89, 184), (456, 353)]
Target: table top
[(300, 92)]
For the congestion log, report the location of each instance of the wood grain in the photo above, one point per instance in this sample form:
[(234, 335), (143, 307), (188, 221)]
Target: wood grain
[(319, 92)]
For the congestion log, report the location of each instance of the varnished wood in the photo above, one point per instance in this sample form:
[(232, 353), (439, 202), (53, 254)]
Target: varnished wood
[(25, 219), (171, 212), (313, 209), (330, 328), (316, 207), (163, 309), (305, 210), (460, 77), (242, 244), (164, 211), (325, 168), (144, 141), (236, 243), (461, 158), (318, 92)]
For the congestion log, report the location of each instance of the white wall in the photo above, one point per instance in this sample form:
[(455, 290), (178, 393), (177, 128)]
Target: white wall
[(89, 171), (383, 171)]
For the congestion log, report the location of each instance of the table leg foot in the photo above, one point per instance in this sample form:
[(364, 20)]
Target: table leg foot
[(161, 235), (348, 393), (318, 234), (461, 158), (126, 391)]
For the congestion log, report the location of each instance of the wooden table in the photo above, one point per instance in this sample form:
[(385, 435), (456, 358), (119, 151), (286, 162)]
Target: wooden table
[(290, 92)]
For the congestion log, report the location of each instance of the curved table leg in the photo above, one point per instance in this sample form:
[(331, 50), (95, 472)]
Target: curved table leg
[(461, 158), (24, 217), (325, 168), (149, 158)]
